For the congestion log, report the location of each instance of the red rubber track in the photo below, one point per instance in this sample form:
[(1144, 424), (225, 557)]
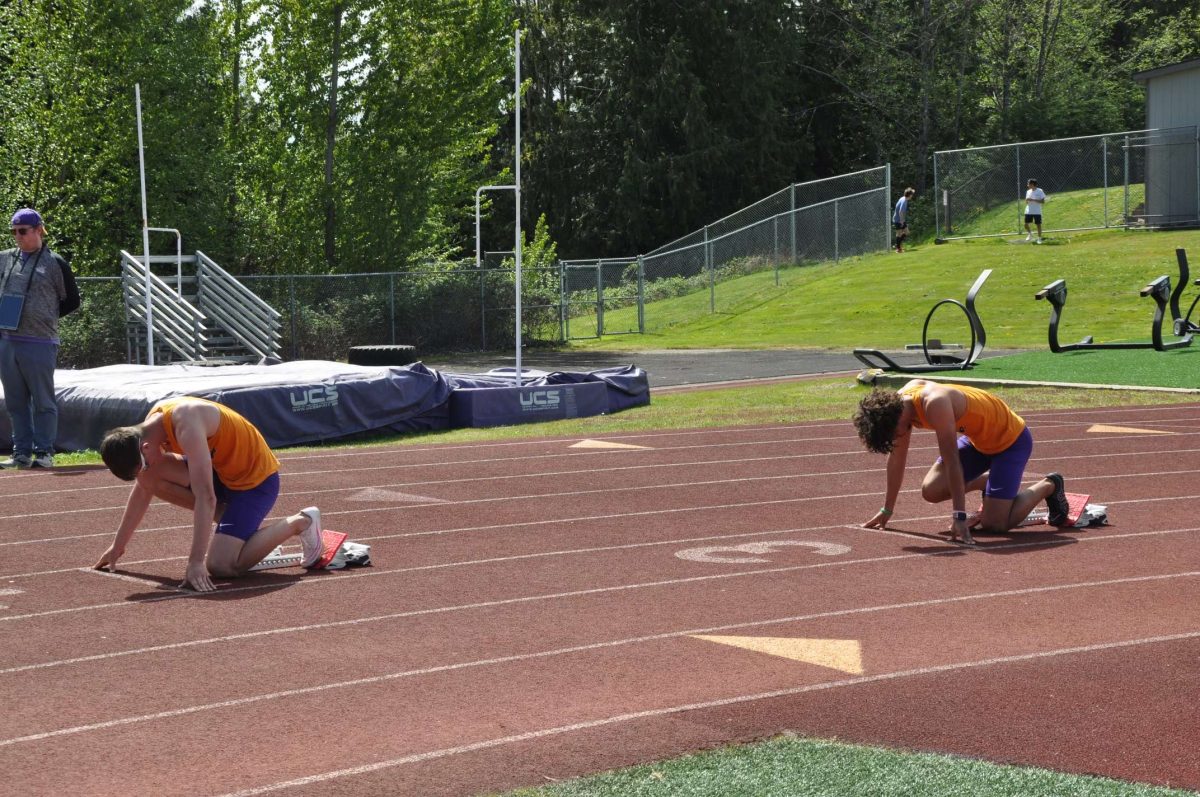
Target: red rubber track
[(528, 617)]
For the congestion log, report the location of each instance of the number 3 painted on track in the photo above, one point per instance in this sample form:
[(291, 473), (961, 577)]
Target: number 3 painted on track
[(712, 554)]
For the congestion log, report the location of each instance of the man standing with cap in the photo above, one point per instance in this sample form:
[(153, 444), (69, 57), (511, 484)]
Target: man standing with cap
[(37, 288)]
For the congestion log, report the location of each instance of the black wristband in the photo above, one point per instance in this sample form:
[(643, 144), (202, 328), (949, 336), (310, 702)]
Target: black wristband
[(958, 514)]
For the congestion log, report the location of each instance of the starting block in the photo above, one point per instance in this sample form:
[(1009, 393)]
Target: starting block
[(334, 542), (1080, 514)]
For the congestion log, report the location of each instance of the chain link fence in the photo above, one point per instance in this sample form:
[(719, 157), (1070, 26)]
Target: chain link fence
[(467, 308), (434, 310), (805, 223), (1144, 178)]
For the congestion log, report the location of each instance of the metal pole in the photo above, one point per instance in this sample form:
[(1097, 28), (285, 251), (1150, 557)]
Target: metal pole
[(712, 277), (392, 304), (137, 95), (641, 294), (599, 298), (792, 215), (179, 283), (1127, 180), (887, 202), (562, 301), (517, 189), (1104, 150), (1020, 215)]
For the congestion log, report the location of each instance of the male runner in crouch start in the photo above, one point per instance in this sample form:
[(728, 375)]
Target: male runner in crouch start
[(208, 459), (984, 446)]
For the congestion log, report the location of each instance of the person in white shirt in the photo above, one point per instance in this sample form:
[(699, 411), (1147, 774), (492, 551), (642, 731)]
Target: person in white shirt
[(1034, 198)]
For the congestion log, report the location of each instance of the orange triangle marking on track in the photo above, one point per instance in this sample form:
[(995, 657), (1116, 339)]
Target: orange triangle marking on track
[(837, 654), (605, 444), (1103, 428)]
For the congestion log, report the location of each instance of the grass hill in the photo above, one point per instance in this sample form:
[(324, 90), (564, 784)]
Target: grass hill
[(882, 300)]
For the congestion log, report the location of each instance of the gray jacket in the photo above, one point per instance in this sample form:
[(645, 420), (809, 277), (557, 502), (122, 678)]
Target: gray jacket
[(48, 285)]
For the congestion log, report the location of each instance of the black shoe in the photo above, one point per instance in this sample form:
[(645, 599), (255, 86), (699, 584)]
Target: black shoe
[(1056, 502)]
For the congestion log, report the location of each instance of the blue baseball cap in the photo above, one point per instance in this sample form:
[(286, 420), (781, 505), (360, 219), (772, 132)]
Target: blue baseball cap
[(26, 217)]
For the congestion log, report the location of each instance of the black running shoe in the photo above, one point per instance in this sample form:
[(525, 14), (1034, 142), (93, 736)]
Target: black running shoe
[(1056, 502)]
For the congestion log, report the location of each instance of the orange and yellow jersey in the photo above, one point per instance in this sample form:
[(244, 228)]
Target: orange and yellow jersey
[(240, 456), (987, 422)]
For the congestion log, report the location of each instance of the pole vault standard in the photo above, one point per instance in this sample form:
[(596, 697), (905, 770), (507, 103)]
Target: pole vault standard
[(137, 94), (516, 189)]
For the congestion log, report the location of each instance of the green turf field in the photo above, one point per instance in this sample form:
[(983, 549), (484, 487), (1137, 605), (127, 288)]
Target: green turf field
[(1179, 368), (790, 767)]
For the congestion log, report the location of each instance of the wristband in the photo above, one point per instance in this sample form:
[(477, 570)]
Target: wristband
[(958, 514), (883, 510)]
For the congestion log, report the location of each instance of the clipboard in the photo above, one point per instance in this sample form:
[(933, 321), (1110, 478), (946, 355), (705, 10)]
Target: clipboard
[(11, 305)]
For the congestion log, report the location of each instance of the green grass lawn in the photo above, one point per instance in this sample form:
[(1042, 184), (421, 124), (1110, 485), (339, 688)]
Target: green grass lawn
[(1070, 210), (881, 300)]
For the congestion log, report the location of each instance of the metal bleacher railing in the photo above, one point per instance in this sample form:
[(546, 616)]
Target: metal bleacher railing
[(805, 223), (203, 317), (1139, 178)]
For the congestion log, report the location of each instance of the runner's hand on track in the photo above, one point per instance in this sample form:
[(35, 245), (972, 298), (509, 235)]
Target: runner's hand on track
[(880, 521), (959, 530), (109, 560), (197, 578)]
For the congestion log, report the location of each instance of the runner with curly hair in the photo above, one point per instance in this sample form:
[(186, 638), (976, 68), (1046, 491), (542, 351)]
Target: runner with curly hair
[(984, 446)]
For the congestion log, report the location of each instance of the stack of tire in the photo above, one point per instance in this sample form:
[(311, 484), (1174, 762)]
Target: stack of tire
[(383, 355)]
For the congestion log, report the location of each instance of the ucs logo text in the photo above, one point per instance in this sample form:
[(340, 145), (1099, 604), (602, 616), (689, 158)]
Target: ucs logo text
[(537, 400), (315, 398)]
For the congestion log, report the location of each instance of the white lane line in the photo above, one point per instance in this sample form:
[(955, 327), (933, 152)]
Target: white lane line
[(9, 592), (575, 493), (917, 467), (530, 598), (596, 645), (145, 582), (542, 733), (823, 454), (187, 710)]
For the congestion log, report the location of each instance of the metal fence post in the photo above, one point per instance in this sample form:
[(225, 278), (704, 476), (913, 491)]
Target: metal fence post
[(482, 309), (563, 329), (887, 202), (292, 313), (641, 299), (712, 277), (392, 303), (792, 216), (1020, 215), (1104, 149), (1127, 180), (599, 298)]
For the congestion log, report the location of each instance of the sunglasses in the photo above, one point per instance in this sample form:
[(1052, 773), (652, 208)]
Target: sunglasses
[(19, 231), (143, 458)]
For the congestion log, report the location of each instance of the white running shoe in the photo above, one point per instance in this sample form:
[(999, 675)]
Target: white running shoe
[(310, 539), (1029, 237)]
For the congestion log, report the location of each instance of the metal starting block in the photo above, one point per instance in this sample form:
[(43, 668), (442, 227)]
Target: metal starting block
[(338, 554), (1081, 514)]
